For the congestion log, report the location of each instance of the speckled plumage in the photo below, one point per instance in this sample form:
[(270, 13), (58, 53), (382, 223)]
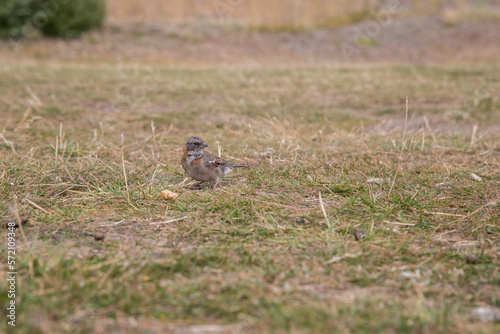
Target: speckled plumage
[(202, 165)]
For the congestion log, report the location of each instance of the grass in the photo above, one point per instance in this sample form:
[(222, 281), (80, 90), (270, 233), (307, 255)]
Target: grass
[(258, 254), (297, 15), (265, 15)]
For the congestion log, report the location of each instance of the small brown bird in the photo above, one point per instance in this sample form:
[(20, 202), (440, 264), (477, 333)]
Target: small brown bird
[(203, 166)]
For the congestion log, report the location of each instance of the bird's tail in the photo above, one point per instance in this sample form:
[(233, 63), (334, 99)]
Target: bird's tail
[(241, 166)]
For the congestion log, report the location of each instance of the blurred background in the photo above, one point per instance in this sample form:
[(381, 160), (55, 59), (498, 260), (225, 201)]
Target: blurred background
[(287, 13), (198, 32)]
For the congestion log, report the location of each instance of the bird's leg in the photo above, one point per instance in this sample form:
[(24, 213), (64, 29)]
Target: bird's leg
[(216, 182)]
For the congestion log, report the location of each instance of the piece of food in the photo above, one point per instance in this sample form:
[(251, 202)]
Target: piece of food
[(167, 194)]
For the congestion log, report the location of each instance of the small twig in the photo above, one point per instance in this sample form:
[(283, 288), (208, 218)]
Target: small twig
[(106, 275), (459, 219), (394, 179), (447, 169), (219, 148), (340, 258), (322, 207), (369, 151), (396, 223), (168, 221), (61, 137), (69, 174), (154, 174), (25, 117), (108, 225), (57, 147), (127, 190), (71, 153), (123, 167), (155, 146), (432, 133), (443, 214), (473, 137), (8, 143), (403, 144), (35, 100), (86, 183), (423, 138), (62, 192), (36, 205)]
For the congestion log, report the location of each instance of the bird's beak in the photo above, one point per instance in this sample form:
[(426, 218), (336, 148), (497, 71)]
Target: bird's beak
[(204, 145)]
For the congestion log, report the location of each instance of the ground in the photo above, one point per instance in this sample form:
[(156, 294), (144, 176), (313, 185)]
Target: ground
[(360, 213)]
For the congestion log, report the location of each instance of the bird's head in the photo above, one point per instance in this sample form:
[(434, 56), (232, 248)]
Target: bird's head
[(195, 144)]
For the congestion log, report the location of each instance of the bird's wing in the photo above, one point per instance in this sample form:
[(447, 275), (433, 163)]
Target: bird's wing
[(212, 161)]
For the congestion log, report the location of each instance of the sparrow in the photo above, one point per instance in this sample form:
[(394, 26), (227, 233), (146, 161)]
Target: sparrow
[(202, 165)]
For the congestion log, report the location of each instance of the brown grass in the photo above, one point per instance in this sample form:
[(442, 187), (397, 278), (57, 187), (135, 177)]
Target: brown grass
[(269, 13)]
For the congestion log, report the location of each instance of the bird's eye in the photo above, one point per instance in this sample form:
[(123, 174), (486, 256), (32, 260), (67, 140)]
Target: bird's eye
[(197, 143)]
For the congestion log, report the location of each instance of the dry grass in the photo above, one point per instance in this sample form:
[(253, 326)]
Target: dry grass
[(277, 14), (266, 13), (104, 252)]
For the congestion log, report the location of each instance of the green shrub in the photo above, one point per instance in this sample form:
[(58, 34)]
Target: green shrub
[(75, 17), (56, 18), (15, 17)]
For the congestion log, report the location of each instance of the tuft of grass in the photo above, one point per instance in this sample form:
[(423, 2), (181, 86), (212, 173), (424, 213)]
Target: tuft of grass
[(366, 42)]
